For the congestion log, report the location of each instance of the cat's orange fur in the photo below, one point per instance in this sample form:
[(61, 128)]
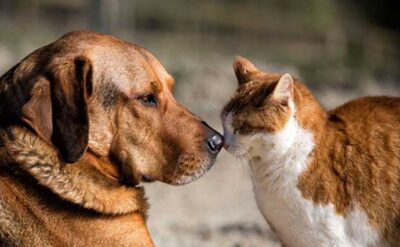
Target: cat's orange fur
[(355, 159)]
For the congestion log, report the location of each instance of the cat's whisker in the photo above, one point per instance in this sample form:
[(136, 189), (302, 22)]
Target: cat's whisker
[(245, 158), (237, 169), (249, 164), (242, 169), (212, 106)]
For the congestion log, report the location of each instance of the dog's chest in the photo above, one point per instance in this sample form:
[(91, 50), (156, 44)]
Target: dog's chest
[(301, 222)]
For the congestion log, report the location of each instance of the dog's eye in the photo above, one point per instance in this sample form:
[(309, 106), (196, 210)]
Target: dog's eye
[(149, 100)]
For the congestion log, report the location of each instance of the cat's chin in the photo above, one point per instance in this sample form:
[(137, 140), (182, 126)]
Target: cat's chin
[(238, 151)]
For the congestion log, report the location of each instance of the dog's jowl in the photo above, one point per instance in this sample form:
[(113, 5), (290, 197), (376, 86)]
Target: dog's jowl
[(83, 121)]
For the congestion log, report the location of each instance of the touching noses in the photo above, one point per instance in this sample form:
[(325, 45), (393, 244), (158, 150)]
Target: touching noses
[(214, 140)]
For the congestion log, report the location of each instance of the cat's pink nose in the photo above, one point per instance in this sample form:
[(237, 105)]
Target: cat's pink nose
[(226, 146)]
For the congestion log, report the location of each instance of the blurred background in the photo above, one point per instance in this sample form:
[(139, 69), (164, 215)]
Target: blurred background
[(341, 49)]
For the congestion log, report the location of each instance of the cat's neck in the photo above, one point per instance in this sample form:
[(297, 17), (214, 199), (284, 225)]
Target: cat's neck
[(283, 155), (309, 112), (280, 156)]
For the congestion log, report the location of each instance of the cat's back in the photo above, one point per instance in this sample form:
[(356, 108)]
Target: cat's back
[(368, 116), (371, 148)]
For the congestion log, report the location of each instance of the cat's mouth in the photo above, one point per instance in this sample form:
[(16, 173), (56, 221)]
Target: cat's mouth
[(234, 147), (236, 150)]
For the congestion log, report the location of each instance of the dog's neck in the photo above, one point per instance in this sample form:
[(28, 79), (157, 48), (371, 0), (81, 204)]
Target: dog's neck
[(91, 182)]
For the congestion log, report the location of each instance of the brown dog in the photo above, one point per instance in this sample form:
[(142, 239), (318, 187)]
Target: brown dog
[(82, 122)]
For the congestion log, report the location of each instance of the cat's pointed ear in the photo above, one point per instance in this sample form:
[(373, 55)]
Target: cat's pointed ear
[(284, 88), (243, 69)]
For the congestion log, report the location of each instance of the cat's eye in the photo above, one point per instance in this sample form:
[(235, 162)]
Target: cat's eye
[(149, 100)]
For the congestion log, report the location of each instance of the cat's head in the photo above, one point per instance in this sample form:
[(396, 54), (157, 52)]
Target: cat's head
[(262, 107)]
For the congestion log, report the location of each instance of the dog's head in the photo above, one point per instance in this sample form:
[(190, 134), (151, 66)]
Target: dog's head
[(93, 92)]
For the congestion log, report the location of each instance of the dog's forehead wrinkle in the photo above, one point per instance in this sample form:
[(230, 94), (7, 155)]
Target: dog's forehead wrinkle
[(108, 94), (129, 81), (156, 86)]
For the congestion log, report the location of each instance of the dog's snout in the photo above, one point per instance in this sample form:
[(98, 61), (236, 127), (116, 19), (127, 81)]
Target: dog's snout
[(214, 141)]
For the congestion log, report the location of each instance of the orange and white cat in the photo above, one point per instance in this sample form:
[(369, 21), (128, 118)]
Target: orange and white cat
[(321, 178)]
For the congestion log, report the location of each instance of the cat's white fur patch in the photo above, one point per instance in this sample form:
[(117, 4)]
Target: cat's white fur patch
[(276, 161)]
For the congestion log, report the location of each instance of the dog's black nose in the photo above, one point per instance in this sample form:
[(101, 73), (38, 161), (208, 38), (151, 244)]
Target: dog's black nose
[(214, 141)]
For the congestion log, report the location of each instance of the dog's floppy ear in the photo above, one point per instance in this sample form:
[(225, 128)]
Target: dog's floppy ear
[(57, 107)]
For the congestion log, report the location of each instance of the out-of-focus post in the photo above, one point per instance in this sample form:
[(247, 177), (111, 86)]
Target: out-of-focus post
[(105, 15)]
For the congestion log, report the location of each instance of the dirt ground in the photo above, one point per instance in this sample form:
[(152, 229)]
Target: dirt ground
[(217, 210)]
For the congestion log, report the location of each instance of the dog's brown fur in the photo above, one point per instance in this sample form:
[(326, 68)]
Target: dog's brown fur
[(83, 121)]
